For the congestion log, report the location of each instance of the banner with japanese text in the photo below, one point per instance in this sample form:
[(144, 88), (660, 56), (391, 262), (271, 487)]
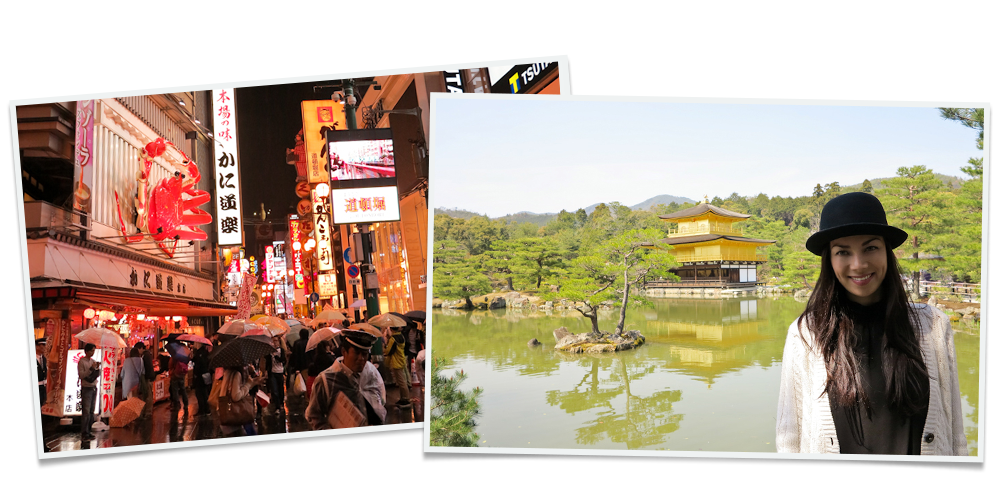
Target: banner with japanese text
[(227, 171), (318, 117), (83, 155)]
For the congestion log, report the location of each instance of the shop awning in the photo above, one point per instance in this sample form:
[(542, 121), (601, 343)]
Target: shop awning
[(154, 305)]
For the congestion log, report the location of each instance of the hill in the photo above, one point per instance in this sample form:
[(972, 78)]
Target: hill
[(665, 199), (457, 213), (954, 182), (538, 219)]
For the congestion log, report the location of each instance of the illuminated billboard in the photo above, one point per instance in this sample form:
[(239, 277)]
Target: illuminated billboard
[(359, 205), (361, 158)]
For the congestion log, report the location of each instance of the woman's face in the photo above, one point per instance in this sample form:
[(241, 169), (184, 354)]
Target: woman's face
[(859, 262)]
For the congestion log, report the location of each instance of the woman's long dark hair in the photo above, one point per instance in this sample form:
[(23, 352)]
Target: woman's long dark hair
[(828, 318)]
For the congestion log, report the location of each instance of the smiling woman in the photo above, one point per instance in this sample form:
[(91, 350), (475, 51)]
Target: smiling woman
[(864, 370)]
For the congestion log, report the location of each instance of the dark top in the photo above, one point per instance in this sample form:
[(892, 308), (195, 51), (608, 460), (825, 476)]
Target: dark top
[(888, 431), (321, 361), (147, 366), (299, 360), (201, 360)]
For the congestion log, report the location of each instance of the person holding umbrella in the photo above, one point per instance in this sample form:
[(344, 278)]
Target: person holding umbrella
[(202, 377), (236, 384), (178, 368), (395, 344), (337, 399), (88, 369)]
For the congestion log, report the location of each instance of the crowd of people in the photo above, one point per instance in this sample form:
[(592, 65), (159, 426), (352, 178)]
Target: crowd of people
[(336, 381)]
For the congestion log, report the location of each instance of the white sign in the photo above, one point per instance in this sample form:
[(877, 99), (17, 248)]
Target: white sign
[(322, 229), (327, 285), (372, 204), (227, 170), (72, 402)]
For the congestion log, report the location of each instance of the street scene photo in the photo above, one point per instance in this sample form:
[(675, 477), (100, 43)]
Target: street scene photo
[(231, 261), (706, 277)]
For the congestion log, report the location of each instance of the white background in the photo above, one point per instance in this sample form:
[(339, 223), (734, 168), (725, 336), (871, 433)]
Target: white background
[(729, 45)]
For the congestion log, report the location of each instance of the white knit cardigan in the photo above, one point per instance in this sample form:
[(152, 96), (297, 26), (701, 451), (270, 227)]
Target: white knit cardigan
[(805, 422)]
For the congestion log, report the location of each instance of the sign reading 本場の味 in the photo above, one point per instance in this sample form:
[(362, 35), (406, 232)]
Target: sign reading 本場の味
[(227, 171)]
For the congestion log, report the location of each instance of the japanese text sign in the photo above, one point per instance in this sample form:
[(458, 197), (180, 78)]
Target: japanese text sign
[(227, 171)]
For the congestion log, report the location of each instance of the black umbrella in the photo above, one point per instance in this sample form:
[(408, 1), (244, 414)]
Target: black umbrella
[(241, 351), (420, 316)]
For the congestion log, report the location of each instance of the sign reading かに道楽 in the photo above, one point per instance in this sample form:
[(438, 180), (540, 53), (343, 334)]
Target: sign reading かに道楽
[(227, 171)]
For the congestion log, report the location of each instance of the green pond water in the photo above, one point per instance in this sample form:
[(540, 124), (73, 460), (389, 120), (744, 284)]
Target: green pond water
[(706, 380)]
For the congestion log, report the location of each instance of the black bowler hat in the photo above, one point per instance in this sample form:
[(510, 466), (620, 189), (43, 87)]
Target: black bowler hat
[(852, 214), (359, 339)]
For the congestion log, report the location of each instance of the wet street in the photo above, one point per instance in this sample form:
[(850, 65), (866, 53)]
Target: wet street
[(163, 426)]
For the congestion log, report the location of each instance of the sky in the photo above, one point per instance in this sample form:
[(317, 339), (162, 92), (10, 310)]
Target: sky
[(499, 156)]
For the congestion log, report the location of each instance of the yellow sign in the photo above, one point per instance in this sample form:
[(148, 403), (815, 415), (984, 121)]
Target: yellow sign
[(317, 118)]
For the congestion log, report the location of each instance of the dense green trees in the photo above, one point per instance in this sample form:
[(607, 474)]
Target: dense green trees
[(582, 257)]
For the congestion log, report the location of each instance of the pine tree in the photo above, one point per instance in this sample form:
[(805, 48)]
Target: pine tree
[(916, 202), (453, 412)]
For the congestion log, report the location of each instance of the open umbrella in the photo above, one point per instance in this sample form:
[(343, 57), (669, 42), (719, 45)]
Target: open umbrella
[(365, 327), (126, 412), (321, 335), (101, 337), (327, 317), (358, 303), (420, 316), (241, 351), (238, 327), (292, 322), (179, 352), (187, 337), (275, 325), (387, 320), (294, 333)]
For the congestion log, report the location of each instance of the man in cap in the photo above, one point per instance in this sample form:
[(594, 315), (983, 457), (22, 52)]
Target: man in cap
[(43, 370), (337, 400)]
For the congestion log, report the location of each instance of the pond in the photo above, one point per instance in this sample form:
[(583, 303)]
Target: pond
[(706, 380)]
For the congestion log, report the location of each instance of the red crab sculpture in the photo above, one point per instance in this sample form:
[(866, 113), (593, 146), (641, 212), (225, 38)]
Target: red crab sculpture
[(161, 211)]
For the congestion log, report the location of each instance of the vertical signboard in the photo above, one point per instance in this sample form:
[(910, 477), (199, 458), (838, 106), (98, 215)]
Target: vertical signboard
[(322, 228), (227, 171), (453, 81), (318, 117), (109, 375), (55, 383), (73, 399), (269, 274), (295, 232), (83, 157)]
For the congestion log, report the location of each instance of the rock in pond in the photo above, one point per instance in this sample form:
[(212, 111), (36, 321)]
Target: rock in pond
[(591, 342)]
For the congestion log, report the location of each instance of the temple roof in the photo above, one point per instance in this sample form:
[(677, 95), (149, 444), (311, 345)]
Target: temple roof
[(701, 209), (710, 237)]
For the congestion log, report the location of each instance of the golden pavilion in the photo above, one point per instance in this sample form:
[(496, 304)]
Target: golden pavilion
[(712, 253)]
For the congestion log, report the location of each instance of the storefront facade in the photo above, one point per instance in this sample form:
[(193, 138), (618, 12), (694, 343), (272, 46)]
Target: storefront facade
[(82, 270)]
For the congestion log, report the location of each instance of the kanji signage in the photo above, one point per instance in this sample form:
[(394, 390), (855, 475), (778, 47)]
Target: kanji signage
[(327, 285), (227, 171), (109, 376), (294, 228), (359, 205), (323, 229), (318, 117)]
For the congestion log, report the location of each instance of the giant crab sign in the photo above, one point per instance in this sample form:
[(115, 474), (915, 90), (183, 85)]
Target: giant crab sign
[(161, 211)]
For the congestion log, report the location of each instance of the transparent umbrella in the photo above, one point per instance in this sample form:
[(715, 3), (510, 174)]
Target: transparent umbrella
[(101, 337)]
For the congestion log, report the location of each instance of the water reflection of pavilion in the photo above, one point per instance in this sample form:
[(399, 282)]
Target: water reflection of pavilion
[(708, 337)]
